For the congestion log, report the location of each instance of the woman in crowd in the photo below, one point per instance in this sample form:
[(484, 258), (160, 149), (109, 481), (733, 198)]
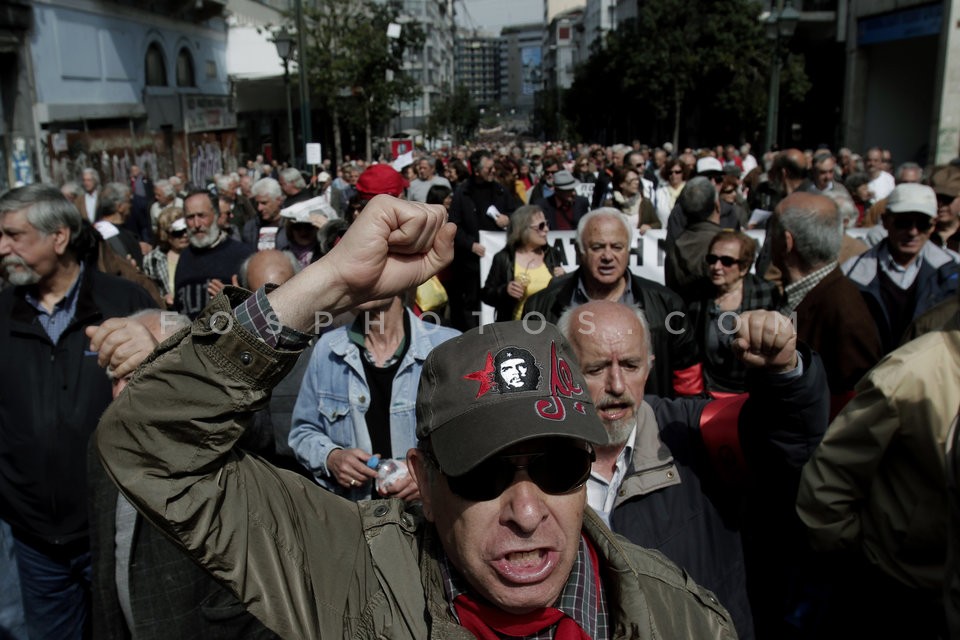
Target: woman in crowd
[(456, 172), (584, 169), (732, 205), (522, 268), (715, 317), (628, 198), (161, 263), (675, 173), (858, 186)]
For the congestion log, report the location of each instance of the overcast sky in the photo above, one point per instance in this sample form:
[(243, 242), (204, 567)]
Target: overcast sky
[(491, 15)]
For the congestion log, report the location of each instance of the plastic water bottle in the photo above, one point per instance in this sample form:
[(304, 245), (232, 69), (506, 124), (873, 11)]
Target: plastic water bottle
[(388, 471)]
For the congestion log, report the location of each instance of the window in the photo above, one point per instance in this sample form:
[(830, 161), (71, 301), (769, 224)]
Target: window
[(156, 67), (185, 77)]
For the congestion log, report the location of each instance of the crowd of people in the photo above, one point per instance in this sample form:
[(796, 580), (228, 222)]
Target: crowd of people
[(304, 431)]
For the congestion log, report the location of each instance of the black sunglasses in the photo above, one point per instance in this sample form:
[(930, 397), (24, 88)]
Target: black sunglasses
[(178, 234), (727, 261), (558, 470), (540, 227), (905, 223)]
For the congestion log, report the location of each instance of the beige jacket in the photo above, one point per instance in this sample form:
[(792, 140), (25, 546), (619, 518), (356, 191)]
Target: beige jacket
[(877, 481)]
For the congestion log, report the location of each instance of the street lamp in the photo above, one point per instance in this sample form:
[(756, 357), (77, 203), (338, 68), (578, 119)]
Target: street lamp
[(780, 24), (284, 43)]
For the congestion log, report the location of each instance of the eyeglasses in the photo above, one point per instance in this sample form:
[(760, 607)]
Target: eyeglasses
[(561, 469), (543, 226), (550, 173), (178, 234), (717, 179), (676, 172), (727, 261), (905, 223), (727, 191)]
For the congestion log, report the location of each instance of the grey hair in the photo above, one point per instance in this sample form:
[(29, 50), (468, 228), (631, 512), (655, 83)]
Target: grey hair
[(698, 199), (175, 181), (72, 187), (245, 268), (817, 234), (565, 325), (111, 197), (908, 166), (165, 187), (603, 212), (47, 209), (222, 182), (292, 175), (519, 223), (92, 172), (848, 210), (267, 187)]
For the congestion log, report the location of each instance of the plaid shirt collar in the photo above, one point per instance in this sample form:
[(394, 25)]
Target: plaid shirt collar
[(795, 292), (582, 598)]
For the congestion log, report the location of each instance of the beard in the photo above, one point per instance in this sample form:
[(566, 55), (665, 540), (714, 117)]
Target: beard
[(211, 236), (22, 277), (618, 431)]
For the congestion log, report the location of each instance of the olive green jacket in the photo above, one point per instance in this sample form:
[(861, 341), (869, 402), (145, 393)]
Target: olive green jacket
[(305, 562)]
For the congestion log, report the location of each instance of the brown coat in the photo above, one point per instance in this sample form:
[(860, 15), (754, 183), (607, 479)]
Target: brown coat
[(834, 321)]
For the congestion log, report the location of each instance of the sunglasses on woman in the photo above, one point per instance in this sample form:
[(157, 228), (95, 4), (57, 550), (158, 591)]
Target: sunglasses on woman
[(178, 234), (543, 226), (562, 468), (727, 261)]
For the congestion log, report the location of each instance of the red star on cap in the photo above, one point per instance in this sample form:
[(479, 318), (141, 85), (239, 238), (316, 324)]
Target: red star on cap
[(483, 376)]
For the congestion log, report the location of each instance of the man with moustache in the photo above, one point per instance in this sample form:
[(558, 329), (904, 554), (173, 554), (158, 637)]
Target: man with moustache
[(503, 544), (52, 397), (672, 476), (212, 259)]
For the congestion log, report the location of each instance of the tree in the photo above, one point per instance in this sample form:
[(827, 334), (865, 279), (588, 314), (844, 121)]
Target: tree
[(456, 113), (356, 71), (678, 63)]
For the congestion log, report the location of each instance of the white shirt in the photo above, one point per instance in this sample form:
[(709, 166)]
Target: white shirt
[(601, 493), (881, 186), (90, 201)]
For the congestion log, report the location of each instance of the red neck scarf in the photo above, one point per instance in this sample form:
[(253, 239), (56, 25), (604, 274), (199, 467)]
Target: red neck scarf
[(485, 621)]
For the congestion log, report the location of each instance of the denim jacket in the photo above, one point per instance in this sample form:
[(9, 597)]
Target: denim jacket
[(334, 398)]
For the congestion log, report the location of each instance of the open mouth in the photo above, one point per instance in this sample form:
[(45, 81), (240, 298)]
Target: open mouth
[(526, 567)]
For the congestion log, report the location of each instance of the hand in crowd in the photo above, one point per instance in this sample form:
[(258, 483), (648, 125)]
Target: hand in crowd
[(121, 344), (214, 287), (349, 467), (516, 289), (478, 249), (766, 339), (558, 271), (502, 221), (404, 488)]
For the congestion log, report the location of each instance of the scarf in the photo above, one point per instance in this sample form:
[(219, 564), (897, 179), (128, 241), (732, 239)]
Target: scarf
[(485, 621)]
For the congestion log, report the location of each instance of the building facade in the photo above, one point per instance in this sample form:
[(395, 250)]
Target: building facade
[(477, 66)]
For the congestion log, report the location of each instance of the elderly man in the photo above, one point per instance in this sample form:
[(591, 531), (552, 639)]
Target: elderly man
[(426, 178), (564, 208), (165, 195), (504, 545), (656, 480), (805, 235), (824, 172), (113, 210), (946, 184), (266, 230), (904, 275), (881, 182), (294, 187), (685, 271), (53, 395), (212, 259), (604, 238), (91, 191)]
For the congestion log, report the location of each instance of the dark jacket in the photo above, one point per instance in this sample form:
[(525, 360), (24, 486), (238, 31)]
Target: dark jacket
[(937, 281), (51, 398), (674, 500), (494, 292), (469, 212), (580, 208), (674, 353), (685, 272), (722, 369)]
